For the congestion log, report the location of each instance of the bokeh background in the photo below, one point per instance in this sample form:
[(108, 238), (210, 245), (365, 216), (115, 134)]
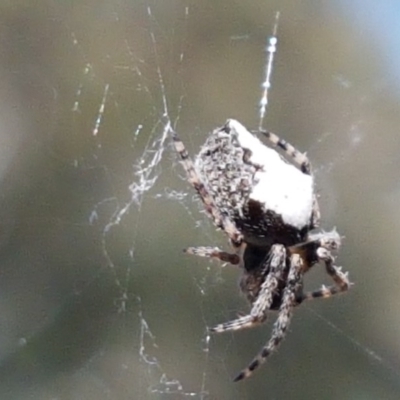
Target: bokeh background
[(97, 300)]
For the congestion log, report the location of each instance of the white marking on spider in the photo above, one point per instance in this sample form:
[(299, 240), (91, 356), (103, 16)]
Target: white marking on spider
[(280, 187)]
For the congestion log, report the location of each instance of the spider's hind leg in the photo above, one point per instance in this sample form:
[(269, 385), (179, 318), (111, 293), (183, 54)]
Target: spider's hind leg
[(281, 325), (275, 267)]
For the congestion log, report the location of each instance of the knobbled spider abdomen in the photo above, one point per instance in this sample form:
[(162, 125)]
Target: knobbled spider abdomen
[(269, 200)]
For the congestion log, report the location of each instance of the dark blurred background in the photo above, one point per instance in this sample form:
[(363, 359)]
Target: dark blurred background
[(97, 300)]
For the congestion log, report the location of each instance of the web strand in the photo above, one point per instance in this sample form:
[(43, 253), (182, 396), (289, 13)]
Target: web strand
[(271, 50)]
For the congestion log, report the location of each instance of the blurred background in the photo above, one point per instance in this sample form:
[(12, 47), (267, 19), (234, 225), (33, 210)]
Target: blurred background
[(97, 300)]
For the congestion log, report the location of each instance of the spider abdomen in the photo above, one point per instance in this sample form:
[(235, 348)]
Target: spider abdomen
[(270, 200)]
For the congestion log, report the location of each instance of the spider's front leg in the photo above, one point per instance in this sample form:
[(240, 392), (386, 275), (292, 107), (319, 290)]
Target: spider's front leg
[(214, 252), (303, 163), (293, 285), (298, 157), (220, 220), (274, 271), (327, 242)]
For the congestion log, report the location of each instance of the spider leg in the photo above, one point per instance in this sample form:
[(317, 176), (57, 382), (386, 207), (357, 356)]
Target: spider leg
[(277, 262), (324, 292), (340, 278), (285, 313), (214, 252), (316, 214), (302, 161), (299, 158), (328, 241), (258, 314), (220, 220), (305, 166), (247, 321)]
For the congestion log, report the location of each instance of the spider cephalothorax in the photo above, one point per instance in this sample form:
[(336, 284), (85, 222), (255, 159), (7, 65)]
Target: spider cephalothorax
[(268, 209)]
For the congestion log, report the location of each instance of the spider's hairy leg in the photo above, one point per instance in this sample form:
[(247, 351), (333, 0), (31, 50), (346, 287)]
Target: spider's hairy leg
[(220, 220), (258, 314), (247, 321), (342, 284), (275, 269), (299, 158), (331, 241), (316, 214), (214, 252), (281, 325), (340, 278), (324, 292), (328, 241)]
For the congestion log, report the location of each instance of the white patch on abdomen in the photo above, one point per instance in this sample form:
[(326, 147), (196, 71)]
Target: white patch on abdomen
[(279, 186)]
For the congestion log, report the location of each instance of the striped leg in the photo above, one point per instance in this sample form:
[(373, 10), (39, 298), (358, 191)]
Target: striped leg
[(328, 241), (302, 161), (220, 220), (340, 278), (285, 314), (323, 293), (299, 158), (214, 252), (262, 304)]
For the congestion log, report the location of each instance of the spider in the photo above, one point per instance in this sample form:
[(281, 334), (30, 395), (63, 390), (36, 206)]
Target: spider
[(268, 209)]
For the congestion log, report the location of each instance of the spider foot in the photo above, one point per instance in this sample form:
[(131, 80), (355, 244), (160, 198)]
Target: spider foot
[(259, 360), (245, 373), (248, 321), (213, 252)]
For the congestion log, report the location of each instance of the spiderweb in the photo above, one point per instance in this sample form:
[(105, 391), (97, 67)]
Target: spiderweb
[(100, 302)]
